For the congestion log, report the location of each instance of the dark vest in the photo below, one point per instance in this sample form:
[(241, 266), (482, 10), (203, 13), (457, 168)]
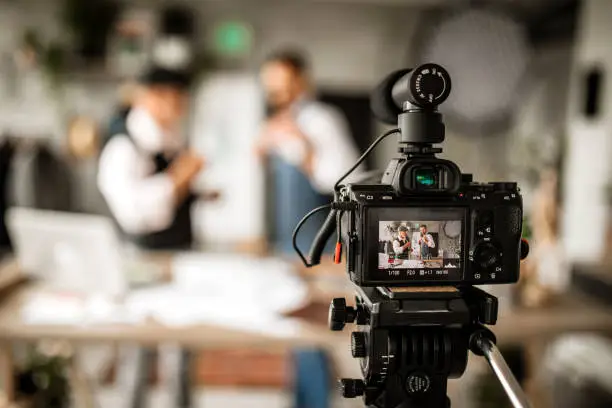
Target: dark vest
[(179, 234), (406, 253)]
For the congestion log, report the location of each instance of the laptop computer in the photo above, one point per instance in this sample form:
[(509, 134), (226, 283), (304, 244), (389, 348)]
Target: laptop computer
[(68, 251)]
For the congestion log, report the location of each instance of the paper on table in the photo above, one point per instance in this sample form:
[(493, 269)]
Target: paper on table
[(229, 290), (233, 280), (241, 293), (56, 308), (167, 305), (173, 307)]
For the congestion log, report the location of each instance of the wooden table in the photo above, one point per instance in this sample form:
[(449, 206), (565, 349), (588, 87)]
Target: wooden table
[(12, 328), (573, 313)]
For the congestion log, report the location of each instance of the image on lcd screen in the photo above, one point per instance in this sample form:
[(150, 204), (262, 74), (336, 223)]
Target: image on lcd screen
[(419, 244)]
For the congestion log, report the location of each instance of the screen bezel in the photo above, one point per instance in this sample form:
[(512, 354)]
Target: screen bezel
[(374, 215)]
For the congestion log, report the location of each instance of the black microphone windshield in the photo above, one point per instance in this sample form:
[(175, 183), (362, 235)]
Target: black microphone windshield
[(381, 100)]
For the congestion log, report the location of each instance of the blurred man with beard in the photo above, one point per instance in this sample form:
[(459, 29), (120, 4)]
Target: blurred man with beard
[(307, 143)]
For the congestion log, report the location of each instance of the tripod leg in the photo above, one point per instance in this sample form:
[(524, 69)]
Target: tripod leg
[(502, 371)]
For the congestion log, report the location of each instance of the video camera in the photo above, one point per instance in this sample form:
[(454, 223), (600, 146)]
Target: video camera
[(417, 238)]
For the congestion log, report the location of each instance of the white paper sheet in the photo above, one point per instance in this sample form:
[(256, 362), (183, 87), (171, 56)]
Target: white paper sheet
[(228, 290)]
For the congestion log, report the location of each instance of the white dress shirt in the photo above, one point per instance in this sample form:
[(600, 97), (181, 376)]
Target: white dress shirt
[(141, 201), (329, 134), (428, 240)]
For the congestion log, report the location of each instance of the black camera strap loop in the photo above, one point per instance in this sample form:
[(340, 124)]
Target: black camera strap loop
[(330, 225), (320, 240)]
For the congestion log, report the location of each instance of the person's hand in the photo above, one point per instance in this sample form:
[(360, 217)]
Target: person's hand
[(264, 143), (406, 245), (268, 137), (185, 167), (211, 195), (278, 129), (183, 170), (284, 126)]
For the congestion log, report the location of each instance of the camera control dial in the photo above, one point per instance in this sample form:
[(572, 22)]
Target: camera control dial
[(486, 256)]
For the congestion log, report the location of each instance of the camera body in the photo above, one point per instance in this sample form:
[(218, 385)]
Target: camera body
[(428, 224)]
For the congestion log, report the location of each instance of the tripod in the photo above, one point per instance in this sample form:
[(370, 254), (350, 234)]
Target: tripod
[(410, 341)]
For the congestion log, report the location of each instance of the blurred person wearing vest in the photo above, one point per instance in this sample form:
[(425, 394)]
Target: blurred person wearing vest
[(145, 173)]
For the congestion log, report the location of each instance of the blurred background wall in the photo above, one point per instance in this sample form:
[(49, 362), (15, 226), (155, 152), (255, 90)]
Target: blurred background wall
[(352, 45)]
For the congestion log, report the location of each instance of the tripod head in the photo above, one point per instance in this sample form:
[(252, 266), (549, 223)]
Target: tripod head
[(410, 341)]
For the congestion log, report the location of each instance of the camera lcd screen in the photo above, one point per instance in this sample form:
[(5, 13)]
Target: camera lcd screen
[(415, 245), (420, 245)]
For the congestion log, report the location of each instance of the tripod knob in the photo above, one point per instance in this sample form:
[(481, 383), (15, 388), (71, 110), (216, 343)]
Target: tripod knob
[(358, 344), (340, 314), (352, 388)]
